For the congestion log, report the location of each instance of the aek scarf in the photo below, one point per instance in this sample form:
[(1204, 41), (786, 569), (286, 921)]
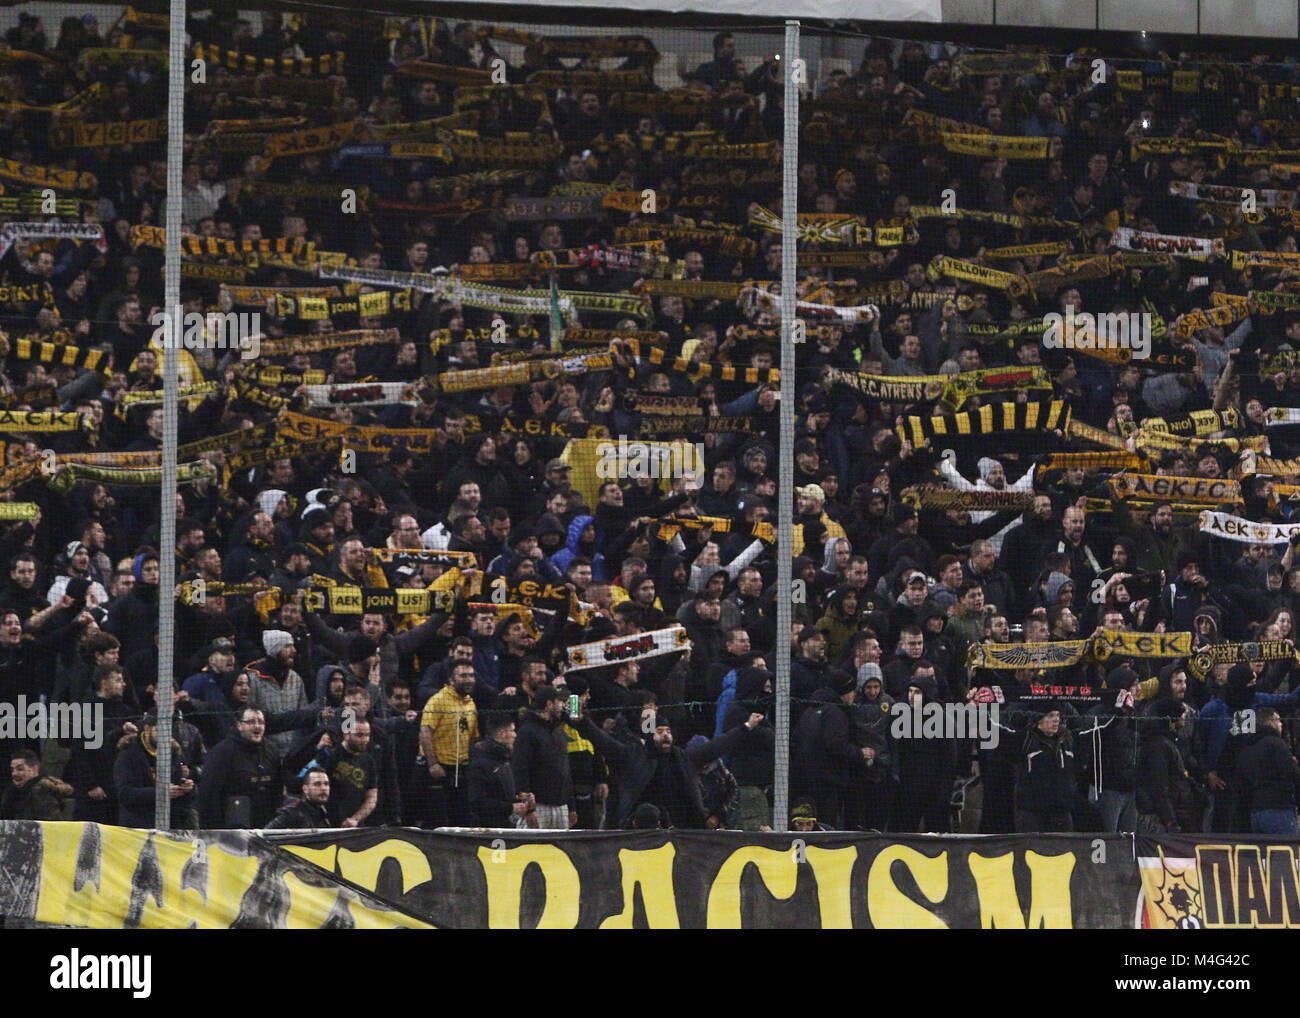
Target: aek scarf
[(618, 650)]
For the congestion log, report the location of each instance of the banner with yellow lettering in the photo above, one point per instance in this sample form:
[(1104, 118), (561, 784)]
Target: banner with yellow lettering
[(92, 876)]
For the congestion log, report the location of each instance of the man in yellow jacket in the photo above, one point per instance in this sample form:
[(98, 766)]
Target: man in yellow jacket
[(448, 727)]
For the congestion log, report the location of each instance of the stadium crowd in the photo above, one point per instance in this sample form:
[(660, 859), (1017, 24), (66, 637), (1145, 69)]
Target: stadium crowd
[(979, 513)]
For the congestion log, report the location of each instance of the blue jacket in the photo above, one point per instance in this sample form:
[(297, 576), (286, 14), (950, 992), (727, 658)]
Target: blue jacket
[(203, 686), (1215, 722), (486, 666), (569, 552), (724, 701)]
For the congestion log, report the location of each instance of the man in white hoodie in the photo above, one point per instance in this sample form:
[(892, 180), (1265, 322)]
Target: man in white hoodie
[(993, 477)]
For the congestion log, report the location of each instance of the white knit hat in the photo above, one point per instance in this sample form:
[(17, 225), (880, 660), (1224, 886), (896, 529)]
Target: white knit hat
[(275, 640)]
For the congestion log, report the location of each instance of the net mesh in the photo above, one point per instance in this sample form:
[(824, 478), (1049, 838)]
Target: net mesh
[(479, 364)]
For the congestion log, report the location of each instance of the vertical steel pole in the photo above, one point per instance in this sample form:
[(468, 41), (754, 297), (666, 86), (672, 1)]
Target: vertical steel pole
[(172, 337), (785, 451)]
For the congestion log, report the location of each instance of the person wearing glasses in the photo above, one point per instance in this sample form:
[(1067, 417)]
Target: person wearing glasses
[(240, 786)]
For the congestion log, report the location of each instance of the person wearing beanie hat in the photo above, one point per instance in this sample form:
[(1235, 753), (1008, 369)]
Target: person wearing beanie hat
[(870, 672), (76, 579), (269, 501), (276, 688), (1045, 785), (1164, 797), (803, 818), (826, 767)]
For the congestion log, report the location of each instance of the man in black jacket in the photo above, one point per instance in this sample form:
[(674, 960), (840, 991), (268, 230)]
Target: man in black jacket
[(493, 801), (241, 778), (1045, 780), (826, 765), (541, 760), (1163, 794), (135, 776), (90, 771), (31, 796), (1267, 777), (308, 813), (653, 770), (753, 762)]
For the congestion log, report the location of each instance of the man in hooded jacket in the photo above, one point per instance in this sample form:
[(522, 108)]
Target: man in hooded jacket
[(753, 762), (827, 766), (654, 770), (1228, 726), (1163, 794)]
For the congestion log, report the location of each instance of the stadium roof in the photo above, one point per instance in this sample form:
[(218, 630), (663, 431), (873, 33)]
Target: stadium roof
[(859, 10)]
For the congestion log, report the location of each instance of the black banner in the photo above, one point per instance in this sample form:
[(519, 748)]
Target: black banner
[(729, 880)]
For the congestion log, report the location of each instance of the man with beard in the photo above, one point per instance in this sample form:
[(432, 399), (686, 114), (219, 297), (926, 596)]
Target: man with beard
[(1084, 562), (813, 528), (309, 812), (808, 669), (354, 775), (32, 796), (700, 616), (1158, 543), (241, 785), (1184, 597), (252, 553), (747, 607), (654, 770), (516, 644), (541, 761), (276, 688), (21, 594), (448, 727)]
